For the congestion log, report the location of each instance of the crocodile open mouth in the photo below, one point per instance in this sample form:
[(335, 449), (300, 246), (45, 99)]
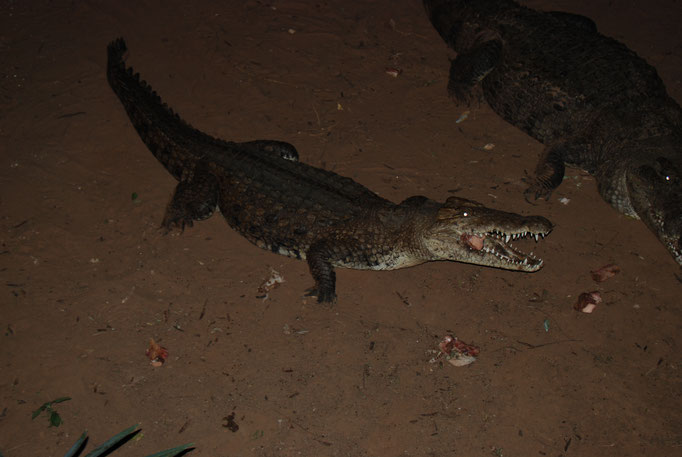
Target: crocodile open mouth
[(498, 244)]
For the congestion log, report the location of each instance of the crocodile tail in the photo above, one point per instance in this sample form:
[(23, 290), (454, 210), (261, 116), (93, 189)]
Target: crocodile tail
[(161, 129), (115, 51)]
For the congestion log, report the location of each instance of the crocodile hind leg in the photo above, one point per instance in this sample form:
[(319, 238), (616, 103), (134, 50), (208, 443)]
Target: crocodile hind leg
[(285, 150), (195, 199)]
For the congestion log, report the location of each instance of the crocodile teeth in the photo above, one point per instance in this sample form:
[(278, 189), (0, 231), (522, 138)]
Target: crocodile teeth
[(507, 238)]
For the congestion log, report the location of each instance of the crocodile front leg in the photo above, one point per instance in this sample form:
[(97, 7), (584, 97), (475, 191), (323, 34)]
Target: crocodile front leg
[(319, 258), (470, 68), (548, 174), (550, 170)]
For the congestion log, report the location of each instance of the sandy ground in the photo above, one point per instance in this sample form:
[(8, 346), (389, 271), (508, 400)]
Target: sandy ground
[(88, 278)]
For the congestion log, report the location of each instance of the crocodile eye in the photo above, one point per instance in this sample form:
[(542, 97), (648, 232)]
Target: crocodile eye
[(667, 170), (465, 214)]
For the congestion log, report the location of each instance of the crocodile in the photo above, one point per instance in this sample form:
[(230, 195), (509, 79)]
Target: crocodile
[(288, 207), (593, 103)]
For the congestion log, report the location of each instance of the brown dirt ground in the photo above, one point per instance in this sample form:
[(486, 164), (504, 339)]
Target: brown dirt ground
[(88, 279)]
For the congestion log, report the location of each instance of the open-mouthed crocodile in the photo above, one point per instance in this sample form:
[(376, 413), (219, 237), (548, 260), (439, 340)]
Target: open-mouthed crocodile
[(297, 210)]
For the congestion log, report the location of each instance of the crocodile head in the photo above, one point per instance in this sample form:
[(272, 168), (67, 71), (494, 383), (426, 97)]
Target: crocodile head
[(467, 231), (655, 195)]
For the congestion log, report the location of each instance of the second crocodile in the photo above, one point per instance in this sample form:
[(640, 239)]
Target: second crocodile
[(589, 99), (294, 209)]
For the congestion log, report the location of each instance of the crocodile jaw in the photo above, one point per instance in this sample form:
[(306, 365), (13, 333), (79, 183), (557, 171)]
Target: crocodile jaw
[(667, 228), (655, 194), (466, 231)]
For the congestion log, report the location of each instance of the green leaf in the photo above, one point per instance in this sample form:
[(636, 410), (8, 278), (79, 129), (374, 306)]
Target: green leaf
[(133, 197), (111, 442), (47, 406), (37, 412), (172, 452), (77, 445), (55, 420)]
